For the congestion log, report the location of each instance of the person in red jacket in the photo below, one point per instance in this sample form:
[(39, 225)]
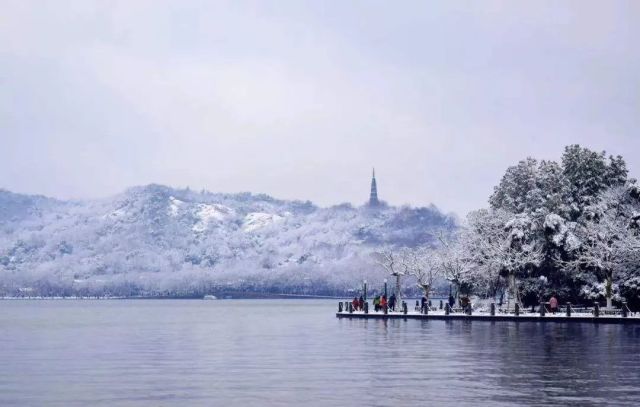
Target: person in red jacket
[(383, 302), (355, 303), (553, 304)]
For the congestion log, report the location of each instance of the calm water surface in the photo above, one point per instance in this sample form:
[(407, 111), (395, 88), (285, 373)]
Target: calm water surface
[(295, 352)]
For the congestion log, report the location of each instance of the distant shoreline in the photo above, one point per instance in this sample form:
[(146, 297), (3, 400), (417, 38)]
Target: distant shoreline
[(238, 297), (249, 296)]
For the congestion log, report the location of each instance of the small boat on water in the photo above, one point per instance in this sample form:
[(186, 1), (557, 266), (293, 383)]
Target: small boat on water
[(210, 297)]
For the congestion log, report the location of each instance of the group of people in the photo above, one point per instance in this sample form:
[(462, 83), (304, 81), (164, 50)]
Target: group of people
[(465, 303), (380, 303), (358, 303)]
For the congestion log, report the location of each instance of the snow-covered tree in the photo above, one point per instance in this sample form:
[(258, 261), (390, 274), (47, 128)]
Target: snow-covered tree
[(587, 174), (553, 204), (609, 239), (505, 244), (531, 187), (457, 261), (423, 264), (392, 262)]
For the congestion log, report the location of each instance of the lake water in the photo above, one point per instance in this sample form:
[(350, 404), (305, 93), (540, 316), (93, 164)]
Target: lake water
[(296, 352)]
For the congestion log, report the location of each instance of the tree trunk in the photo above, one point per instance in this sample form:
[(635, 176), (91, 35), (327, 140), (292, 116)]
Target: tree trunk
[(426, 289), (398, 297), (609, 290), (513, 292)]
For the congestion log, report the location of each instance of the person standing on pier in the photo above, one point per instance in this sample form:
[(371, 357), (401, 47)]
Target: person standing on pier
[(383, 302), (392, 302), (376, 303), (361, 303), (355, 303), (465, 302), (553, 304)]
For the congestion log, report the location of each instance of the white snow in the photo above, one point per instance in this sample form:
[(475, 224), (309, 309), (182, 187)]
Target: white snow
[(572, 241), (553, 221), (118, 213), (257, 220), (208, 213), (174, 206)]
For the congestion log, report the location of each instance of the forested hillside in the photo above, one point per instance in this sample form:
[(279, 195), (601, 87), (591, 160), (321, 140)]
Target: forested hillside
[(156, 240)]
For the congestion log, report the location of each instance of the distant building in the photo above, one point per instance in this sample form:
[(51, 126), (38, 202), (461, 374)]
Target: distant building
[(373, 198)]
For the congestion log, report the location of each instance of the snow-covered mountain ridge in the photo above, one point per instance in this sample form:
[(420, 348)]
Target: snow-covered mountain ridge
[(154, 239)]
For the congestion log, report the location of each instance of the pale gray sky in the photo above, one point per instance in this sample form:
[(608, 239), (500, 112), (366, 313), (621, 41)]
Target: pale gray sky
[(300, 99)]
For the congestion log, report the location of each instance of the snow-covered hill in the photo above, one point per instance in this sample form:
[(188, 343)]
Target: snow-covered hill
[(156, 239)]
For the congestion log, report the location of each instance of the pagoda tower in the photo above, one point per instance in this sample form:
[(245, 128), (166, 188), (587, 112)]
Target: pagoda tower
[(373, 198)]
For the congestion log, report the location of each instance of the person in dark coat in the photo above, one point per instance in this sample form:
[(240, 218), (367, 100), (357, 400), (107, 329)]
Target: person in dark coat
[(361, 303), (465, 302), (392, 302), (423, 302)]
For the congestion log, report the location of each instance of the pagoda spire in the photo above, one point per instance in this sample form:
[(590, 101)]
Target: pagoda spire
[(373, 198)]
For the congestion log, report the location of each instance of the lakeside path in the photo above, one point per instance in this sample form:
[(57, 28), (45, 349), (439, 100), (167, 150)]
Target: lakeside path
[(481, 316)]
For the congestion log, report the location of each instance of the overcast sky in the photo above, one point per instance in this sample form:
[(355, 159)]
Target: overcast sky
[(301, 99)]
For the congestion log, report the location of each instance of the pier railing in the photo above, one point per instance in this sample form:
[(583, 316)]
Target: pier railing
[(566, 310)]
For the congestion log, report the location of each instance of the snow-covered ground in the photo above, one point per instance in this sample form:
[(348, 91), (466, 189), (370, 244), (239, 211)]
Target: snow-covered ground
[(258, 220), (174, 206), (210, 213)]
